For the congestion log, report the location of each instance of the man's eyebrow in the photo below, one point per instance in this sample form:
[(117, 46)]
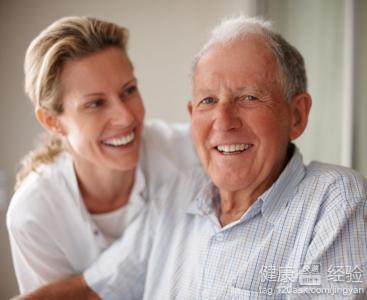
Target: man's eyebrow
[(244, 88), (253, 88)]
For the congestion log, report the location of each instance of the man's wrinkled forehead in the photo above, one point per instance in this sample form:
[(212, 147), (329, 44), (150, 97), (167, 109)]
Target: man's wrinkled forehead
[(238, 65)]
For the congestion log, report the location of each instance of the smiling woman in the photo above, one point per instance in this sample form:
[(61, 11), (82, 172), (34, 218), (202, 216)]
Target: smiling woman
[(77, 192), (102, 121)]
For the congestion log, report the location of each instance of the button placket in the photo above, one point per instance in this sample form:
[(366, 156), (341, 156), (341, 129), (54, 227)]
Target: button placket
[(219, 237), (205, 294)]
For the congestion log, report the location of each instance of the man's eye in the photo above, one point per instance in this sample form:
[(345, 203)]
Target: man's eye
[(249, 98), (207, 100), (95, 103), (130, 90)]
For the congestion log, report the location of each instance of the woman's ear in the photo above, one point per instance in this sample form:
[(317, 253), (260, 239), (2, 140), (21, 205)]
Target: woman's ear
[(189, 107), (49, 121), (300, 109)]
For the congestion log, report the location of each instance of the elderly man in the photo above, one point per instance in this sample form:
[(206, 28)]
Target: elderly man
[(257, 223)]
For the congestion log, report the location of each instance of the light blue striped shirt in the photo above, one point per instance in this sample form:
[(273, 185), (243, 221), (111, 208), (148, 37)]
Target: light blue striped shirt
[(306, 236)]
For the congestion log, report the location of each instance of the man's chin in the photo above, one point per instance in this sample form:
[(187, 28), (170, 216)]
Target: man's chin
[(229, 183)]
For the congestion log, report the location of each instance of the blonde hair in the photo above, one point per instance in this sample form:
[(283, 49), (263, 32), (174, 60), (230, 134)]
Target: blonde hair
[(66, 39)]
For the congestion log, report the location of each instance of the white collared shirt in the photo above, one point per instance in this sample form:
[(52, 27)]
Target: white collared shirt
[(311, 221), (52, 234)]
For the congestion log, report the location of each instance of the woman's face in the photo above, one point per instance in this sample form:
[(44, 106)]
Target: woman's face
[(103, 111)]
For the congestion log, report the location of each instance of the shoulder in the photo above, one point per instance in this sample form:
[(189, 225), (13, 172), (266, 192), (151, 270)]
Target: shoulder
[(334, 173), (165, 131), (172, 140), (36, 198), (338, 187), (340, 222), (184, 188), (346, 180), (167, 148)]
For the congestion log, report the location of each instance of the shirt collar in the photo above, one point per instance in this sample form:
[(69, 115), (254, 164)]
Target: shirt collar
[(276, 198), (138, 191), (271, 202), (204, 195)]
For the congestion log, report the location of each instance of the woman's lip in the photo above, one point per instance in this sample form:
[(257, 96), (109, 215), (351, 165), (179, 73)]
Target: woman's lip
[(121, 141), (119, 135)]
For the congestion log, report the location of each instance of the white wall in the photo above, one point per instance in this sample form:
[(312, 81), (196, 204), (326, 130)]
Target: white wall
[(360, 134)]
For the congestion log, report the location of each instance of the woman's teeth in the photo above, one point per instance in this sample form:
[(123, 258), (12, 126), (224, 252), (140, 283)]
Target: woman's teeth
[(120, 141), (233, 148)]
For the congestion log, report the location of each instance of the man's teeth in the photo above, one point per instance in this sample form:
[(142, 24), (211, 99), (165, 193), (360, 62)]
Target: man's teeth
[(233, 148), (120, 141)]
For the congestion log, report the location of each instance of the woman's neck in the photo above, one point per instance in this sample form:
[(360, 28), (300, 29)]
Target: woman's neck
[(103, 190)]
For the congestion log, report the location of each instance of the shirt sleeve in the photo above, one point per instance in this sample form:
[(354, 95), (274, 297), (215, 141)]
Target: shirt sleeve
[(335, 264), (36, 257)]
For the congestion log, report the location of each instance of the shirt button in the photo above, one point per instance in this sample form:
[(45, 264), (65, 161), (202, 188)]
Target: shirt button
[(219, 237), (206, 210), (205, 294)]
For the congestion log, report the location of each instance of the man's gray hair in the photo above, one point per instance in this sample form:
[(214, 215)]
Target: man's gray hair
[(291, 64)]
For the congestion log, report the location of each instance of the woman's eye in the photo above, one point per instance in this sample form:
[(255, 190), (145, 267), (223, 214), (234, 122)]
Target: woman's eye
[(95, 103), (207, 100), (130, 90)]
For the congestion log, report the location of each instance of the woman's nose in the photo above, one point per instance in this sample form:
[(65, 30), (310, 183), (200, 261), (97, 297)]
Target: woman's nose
[(121, 115)]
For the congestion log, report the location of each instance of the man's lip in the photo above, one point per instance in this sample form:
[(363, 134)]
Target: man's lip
[(215, 145), (232, 148)]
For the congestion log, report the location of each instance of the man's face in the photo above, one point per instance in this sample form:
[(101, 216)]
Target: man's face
[(241, 121)]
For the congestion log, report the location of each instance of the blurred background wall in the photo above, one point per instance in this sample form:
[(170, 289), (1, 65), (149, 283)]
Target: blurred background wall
[(331, 34)]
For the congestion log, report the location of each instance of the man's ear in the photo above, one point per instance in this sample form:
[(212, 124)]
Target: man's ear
[(189, 107), (49, 121), (300, 109)]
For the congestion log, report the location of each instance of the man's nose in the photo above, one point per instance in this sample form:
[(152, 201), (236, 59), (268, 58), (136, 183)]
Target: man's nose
[(227, 117)]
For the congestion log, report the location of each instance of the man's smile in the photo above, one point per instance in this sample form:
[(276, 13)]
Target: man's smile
[(233, 148)]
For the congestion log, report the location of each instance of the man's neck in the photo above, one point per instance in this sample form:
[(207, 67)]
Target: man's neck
[(233, 204)]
